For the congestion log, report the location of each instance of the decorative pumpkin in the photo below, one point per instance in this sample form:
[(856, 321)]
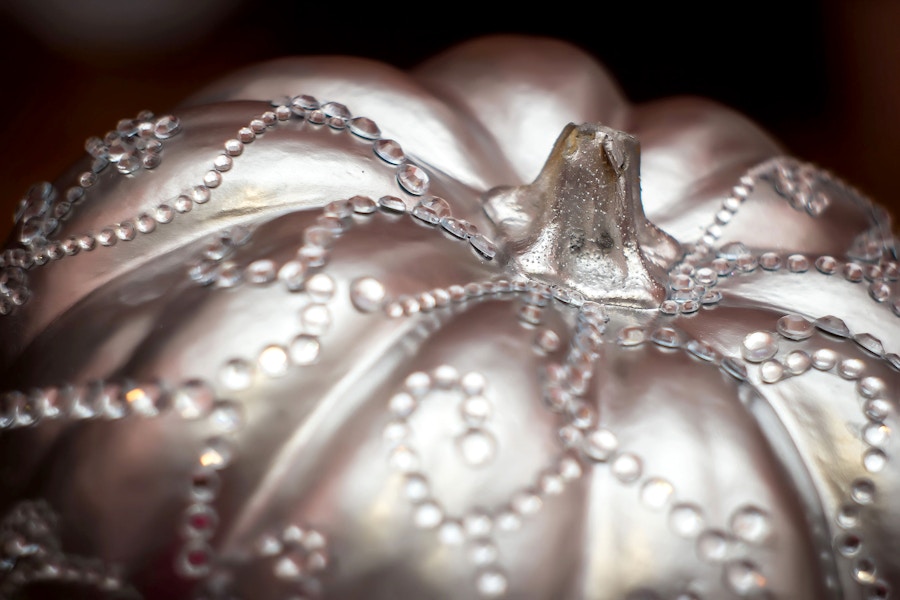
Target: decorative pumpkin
[(367, 340)]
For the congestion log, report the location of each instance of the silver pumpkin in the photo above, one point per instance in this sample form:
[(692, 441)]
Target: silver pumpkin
[(336, 330)]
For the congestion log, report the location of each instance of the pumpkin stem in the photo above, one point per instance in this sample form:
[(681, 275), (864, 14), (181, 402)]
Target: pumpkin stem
[(581, 223)]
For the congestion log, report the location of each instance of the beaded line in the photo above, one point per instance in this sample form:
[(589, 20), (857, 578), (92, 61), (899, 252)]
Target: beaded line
[(368, 295), (794, 179), (214, 267), (759, 347), (135, 143), (299, 554), (275, 360), (411, 178), (107, 237), (319, 237), (192, 400), (536, 297), (490, 578), (749, 524), (732, 203), (663, 336), (31, 552), (796, 182), (796, 327), (195, 554), (689, 285), (563, 386), (477, 446)]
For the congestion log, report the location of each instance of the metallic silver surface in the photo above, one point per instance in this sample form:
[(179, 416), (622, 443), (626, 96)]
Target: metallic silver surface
[(581, 223), (287, 391)]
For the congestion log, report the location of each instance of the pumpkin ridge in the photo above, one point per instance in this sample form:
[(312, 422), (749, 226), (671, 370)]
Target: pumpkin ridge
[(234, 407)]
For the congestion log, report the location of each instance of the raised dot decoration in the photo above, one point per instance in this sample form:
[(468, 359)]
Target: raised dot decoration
[(133, 145), (587, 438), (140, 143)]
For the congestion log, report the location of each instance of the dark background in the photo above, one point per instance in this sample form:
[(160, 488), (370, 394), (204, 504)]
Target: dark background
[(822, 76)]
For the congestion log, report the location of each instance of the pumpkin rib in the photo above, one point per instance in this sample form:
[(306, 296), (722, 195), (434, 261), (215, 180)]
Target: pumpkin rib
[(434, 131), (273, 369), (398, 344), (524, 90), (720, 147), (233, 210)]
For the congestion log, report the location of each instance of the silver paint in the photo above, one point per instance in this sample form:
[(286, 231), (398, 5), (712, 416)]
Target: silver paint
[(654, 467)]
